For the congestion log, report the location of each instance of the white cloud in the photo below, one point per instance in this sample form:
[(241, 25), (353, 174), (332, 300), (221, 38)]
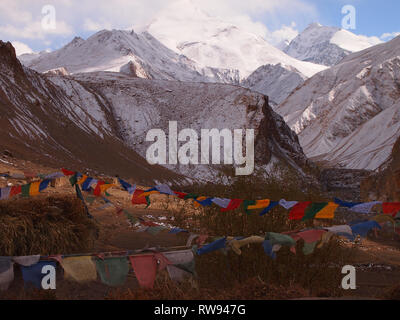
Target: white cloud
[(91, 25), (21, 48), (389, 36), (20, 19), (34, 30), (286, 33)]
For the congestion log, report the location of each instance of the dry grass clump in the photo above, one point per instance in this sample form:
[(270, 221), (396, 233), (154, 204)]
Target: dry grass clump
[(45, 226), (251, 289)]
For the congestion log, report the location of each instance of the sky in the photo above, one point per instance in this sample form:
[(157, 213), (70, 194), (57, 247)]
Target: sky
[(29, 24)]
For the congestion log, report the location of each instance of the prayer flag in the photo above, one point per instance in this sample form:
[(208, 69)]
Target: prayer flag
[(233, 204), (260, 204), (346, 204), (128, 187), (15, 190), (44, 184), (25, 190), (6, 272), (287, 204), (137, 199), (313, 209), (34, 188), (328, 212), (145, 268), (113, 271), (223, 203), (365, 207), (272, 205), (298, 211), (391, 208), (97, 190), (33, 274), (68, 172), (80, 269), (5, 193), (214, 246)]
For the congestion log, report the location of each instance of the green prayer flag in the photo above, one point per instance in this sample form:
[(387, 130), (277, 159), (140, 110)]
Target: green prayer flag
[(25, 190), (112, 271), (191, 196), (247, 204), (148, 201), (309, 248), (312, 210), (281, 239), (73, 180)]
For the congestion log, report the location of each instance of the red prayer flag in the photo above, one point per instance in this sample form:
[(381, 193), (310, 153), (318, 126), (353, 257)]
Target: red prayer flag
[(97, 190), (67, 172), (145, 268), (15, 190), (391, 208), (136, 199), (181, 195), (234, 204), (298, 211), (311, 236)]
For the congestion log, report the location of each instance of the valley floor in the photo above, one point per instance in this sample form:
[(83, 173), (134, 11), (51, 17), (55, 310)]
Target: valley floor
[(377, 261)]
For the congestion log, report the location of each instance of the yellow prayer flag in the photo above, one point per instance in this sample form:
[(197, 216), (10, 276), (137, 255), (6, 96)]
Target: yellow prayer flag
[(260, 204), (80, 269), (198, 205), (83, 179), (145, 194), (105, 187), (34, 188), (328, 212)]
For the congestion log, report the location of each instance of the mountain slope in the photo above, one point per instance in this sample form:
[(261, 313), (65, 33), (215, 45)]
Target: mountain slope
[(139, 105), (349, 115), (385, 184), (40, 123), (326, 45), (275, 81)]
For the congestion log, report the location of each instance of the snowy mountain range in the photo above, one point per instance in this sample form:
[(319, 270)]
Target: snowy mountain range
[(100, 119), (139, 55), (326, 45), (195, 47), (332, 109), (349, 115)]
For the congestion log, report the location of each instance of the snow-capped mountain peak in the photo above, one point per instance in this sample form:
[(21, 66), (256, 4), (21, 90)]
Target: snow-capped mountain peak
[(115, 50), (213, 42), (327, 45)]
